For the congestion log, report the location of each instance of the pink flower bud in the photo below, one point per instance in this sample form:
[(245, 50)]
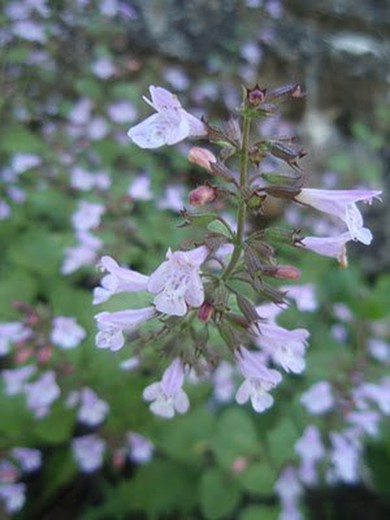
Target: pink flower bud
[(202, 157), (23, 355), (287, 272), (205, 312), (239, 465), (202, 195), (45, 354)]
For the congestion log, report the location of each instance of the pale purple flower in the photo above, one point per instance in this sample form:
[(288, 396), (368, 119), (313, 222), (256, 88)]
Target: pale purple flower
[(259, 380), (311, 450), (81, 112), (342, 312), (119, 279), (16, 194), (111, 326), (167, 396), (177, 78), (339, 332), (366, 421), (379, 350), (289, 490), (97, 128), (103, 67), (15, 378), (9, 473), (41, 394), (122, 111), (177, 281), (170, 125), (345, 458), (342, 204), (5, 210), (22, 162), (30, 30), (84, 253), (82, 179), (66, 332), (28, 458), (12, 332), (172, 199), (92, 410), (140, 188), (377, 393), (87, 215), (88, 451), (13, 496), (223, 382), (303, 295), (109, 7), (141, 449), (335, 247), (318, 399), (130, 364)]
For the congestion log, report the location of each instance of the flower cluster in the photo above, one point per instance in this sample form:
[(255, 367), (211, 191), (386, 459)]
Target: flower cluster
[(195, 290)]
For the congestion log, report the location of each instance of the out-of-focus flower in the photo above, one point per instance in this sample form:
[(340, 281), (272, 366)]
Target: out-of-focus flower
[(289, 490), (92, 410), (119, 279), (41, 394), (13, 495), (177, 281), (311, 450), (12, 332), (318, 399), (84, 253), (167, 396), (28, 458), (223, 382), (141, 449), (66, 332), (303, 296), (259, 380), (88, 451), (342, 204), (111, 326), (87, 216), (345, 458), (103, 67), (140, 188), (122, 111), (170, 125), (173, 198), (15, 378)]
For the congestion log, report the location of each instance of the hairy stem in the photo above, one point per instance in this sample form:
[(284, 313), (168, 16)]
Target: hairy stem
[(241, 212)]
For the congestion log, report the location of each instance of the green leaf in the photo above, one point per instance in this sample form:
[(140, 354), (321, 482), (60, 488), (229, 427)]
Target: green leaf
[(259, 479), (16, 285), (219, 494), (17, 139), (236, 436), (187, 438), (15, 424), (56, 427), (259, 513), (280, 441), (216, 226)]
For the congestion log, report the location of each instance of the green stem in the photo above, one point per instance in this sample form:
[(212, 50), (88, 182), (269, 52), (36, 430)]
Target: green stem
[(241, 212)]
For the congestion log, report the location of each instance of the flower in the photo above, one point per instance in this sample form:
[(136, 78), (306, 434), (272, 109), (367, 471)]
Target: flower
[(112, 324), (167, 395), (170, 125), (311, 450), (88, 451), (66, 332), (140, 448), (12, 332), (42, 393), (28, 458), (14, 496), (258, 380), (119, 279), (92, 410), (87, 215), (318, 399), (177, 282), (342, 204), (329, 246), (15, 378), (345, 456)]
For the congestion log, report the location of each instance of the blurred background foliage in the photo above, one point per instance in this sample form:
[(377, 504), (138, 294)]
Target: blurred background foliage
[(72, 76)]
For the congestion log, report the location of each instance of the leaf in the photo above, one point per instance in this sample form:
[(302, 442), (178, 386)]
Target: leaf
[(235, 437), (18, 139), (217, 226), (56, 427), (280, 441), (219, 494), (16, 285), (187, 438), (259, 513), (259, 479)]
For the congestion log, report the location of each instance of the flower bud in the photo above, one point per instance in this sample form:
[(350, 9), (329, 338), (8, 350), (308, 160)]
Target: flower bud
[(255, 95), (205, 312), (287, 272), (202, 195), (202, 157)]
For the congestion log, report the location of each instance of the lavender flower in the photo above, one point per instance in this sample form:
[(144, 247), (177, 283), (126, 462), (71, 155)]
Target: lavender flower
[(311, 450), (15, 378), (92, 410), (112, 324), (170, 125), (342, 204), (118, 280), (13, 495), (83, 254), (12, 332), (88, 451), (335, 247), (167, 395), (141, 449), (41, 394), (87, 215), (318, 399), (28, 458), (259, 380), (177, 282), (66, 332), (345, 457)]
